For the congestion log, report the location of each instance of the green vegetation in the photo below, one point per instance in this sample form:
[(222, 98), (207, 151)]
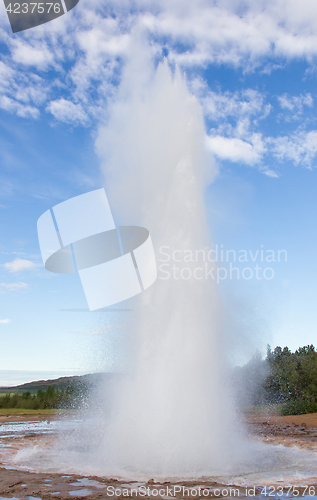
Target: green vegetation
[(58, 383), (51, 398), (285, 378), (284, 381), (61, 393), (293, 379)]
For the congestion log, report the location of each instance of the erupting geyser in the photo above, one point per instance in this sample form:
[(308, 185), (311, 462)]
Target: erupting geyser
[(172, 415)]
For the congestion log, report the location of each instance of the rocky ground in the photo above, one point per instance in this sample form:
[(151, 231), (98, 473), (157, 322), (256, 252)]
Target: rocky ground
[(26, 485), (297, 430), (300, 431)]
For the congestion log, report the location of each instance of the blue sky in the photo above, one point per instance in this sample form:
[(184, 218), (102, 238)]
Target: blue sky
[(253, 70)]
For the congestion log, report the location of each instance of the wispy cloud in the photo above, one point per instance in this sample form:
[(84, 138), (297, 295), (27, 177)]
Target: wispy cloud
[(30, 53), (218, 105), (72, 72), (270, 173), (21, 110), (67, 111), (237, 150), (5, 321), (300, 147), (18, 265), (297, 103), (296, 108), (13, 287), (86, 50), (236, 118)]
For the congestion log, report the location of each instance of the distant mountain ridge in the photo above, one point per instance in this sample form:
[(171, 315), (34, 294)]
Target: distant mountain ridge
[(60, 383)]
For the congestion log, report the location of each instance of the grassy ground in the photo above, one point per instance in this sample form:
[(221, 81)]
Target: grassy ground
[(21, 411), (269, 409)]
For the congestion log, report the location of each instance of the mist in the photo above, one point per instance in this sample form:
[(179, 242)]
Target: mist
[(173, 414)]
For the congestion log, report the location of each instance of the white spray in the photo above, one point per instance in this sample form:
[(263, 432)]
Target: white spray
[(172, 416)]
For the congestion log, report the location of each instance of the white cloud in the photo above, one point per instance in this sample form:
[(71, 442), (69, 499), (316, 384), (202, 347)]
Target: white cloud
[(300, 147), (6, 75), (237, 150), (236, 117), (295, 102), (221, 105), (15, 107), (34, 90), (240, 33), (270, 173), (21, 92), (18, 265), (67, 111), (5, 321), (37, 55), (87, 48), (105, 39), (13, 287)]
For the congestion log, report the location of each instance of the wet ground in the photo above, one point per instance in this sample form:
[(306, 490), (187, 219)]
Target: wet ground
[(20, 432), (26, 485), (297, 430)]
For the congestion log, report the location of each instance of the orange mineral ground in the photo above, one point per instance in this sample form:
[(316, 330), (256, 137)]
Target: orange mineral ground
[(19, 482)]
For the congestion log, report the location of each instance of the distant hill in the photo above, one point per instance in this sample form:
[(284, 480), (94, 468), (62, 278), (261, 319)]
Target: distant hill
[(78, 381)]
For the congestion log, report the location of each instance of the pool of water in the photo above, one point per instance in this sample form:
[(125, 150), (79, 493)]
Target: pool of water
[(57, 446)]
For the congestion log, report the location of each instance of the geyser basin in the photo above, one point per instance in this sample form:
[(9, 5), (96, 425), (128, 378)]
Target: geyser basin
[(172, 416), (263, 464)]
